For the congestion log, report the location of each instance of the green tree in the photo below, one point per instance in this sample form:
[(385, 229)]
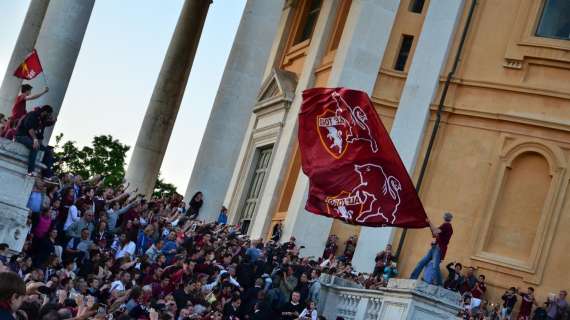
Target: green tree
[(105, 156), (162, 188)]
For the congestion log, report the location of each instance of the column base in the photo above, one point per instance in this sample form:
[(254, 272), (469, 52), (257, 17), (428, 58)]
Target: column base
[(14, 194)]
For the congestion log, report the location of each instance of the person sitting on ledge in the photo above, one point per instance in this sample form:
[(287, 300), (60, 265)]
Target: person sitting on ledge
[(30, 133)]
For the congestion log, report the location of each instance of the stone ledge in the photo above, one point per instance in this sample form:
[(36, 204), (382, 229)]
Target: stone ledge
[(427, 290), (12, 150)]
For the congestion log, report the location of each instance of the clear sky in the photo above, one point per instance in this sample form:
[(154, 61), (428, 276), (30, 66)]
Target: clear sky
[(121, 56)]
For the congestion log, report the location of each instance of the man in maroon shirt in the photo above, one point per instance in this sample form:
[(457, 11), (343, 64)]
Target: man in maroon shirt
[(441, 235)]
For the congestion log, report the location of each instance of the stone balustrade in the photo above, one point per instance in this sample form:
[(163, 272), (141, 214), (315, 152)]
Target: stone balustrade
[(402, 299)]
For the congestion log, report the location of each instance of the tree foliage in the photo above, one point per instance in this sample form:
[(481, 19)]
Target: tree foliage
[(162, 188), (105, 156)]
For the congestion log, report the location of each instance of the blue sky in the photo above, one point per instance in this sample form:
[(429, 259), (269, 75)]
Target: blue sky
[(121, 56)]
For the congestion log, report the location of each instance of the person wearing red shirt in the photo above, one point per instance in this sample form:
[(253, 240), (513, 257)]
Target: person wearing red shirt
[(480, 288), (19, 109), (526, 304), (441, 236)]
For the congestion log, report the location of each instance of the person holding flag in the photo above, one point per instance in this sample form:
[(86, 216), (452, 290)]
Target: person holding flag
[(436, 253), (19, 109), (28, 70)]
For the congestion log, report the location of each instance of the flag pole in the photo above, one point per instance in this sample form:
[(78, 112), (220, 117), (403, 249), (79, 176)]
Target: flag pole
[(439, 112)]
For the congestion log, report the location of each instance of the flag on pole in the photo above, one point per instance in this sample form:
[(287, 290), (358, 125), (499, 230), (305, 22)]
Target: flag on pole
[(30, 68), (355, 173)]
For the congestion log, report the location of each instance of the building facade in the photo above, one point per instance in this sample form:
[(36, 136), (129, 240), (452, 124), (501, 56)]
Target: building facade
[(499, 161)]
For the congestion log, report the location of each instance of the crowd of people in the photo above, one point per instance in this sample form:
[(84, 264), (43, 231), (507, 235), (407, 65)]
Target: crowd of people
[(97, 252), (100, 252), (477, 306)]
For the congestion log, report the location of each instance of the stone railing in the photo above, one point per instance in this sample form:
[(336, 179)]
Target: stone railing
[(402, 299), (15, 189)]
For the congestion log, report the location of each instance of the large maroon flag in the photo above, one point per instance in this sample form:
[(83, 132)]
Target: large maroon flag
[(354, 170)]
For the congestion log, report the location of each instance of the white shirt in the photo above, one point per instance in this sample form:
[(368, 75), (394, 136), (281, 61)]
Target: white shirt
[(305, 315), (72, 216), (117, 285), (326, 263), (126, 250)]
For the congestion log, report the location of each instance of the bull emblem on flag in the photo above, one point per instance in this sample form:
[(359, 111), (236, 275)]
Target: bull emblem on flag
[(30, 67), (377, 195), (343, 126), (331, 127)]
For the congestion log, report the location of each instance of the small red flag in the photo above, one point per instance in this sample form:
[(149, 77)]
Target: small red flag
[(30, 68), (355, 173)]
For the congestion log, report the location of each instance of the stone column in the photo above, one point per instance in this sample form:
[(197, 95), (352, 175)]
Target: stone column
[(287, 141), (357, 61), (234, 102), (24, 45), (168, 91), (411, 118), (58, 45)]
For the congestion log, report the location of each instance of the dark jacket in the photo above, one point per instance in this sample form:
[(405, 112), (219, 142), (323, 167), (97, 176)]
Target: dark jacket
[(454, 280)]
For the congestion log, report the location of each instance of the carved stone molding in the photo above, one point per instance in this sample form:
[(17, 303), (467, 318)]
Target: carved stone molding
[(513, 64)]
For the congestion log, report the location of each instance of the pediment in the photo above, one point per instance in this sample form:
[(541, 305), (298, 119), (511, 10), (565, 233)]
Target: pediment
[(279, 84)]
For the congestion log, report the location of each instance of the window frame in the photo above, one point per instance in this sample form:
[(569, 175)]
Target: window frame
[(303, 16), (525, 45), (403, 38), (540, 18), (413, 4), (295, 49), (254, 170)]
